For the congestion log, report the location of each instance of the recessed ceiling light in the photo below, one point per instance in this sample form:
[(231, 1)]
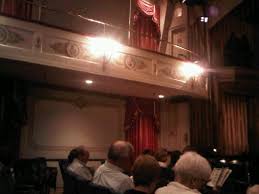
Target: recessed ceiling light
[(88, 81), (161, 96)]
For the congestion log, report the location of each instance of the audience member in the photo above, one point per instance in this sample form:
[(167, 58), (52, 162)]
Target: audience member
[(166, 173), (146, 171), (148, 152), (79, 158), (192, 172), (111, 173), (175, 155), (190, 148), (253, 190), (72, 155)]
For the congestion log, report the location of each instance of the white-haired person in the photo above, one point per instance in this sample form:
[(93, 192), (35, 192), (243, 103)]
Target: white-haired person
[(113, 173), (192, 172), (145, 171), (253, 190)]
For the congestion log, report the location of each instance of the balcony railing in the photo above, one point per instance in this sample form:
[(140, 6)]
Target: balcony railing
[(39, 12), (32, 42)]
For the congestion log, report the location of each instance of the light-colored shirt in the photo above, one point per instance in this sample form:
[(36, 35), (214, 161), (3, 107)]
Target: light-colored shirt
[(111, 176), (80, 169), (176, 188)]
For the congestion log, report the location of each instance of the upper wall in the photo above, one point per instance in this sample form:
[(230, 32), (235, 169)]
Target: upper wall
[(115, 12)]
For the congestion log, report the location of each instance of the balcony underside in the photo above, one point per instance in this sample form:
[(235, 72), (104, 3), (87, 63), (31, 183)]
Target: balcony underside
[(36, 52)]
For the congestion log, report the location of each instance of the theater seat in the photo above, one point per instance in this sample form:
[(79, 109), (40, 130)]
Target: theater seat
[(31, 176)]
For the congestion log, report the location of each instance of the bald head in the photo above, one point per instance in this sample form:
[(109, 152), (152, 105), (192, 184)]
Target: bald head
[(121, 154), (119, 149)]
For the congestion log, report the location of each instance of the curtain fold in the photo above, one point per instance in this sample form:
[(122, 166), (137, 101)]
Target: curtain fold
[(142, 123), (233, 131), (18, 8), (145, 28)]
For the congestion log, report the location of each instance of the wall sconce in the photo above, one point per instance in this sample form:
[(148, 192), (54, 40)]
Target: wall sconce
[(105, 48), (190, 70)]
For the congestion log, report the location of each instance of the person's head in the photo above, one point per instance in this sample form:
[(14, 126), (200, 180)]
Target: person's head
[(175, 155), (192, 170), (190, 148), (146, 171), (121, 154), (72, 155), (83, 154), (161, 155), (253, 190), (148, 152)]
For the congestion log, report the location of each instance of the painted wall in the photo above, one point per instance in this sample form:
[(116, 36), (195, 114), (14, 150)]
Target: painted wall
[(175, 126), (115, 12), (61, 120)]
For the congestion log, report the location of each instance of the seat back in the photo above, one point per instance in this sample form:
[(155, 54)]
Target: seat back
[(69, 179)]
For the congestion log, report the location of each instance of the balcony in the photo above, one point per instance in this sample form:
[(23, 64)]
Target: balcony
[(38, 44)]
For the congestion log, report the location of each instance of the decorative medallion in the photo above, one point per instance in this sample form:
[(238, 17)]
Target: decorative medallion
[(80, 102), (130, 63), (3, 34), (73, 50)]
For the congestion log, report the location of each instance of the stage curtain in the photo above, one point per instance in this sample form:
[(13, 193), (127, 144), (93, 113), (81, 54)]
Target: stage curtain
[(142, 123), (233, 134), (202, 124), (145, 28), (18, 8)]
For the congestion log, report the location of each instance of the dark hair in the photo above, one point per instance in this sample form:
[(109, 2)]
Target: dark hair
[(145, 170), (74, 153), (175, 155), (161, 155), (148, 152)]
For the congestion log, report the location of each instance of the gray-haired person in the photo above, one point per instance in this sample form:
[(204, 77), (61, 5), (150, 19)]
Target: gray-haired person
[(192, 172)]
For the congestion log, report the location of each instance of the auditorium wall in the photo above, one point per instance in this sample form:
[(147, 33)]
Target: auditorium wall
[(175, 125)]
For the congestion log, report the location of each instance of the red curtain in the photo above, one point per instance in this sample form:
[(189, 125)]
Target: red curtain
[(142, 123), (18, 8), (146, 30)]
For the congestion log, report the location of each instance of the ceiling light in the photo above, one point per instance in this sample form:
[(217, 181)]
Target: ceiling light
[(204, 19), (223, 161), (161, 96), (189, 70), (214, 150), (88, 81)]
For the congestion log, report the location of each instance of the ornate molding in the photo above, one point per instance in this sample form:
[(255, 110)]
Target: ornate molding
[(7, 36)]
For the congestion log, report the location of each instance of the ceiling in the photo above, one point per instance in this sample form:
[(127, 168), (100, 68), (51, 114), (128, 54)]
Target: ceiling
[(76, 80)]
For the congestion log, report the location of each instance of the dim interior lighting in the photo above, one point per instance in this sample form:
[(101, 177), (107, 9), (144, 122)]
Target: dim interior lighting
[(89, 82), (234, 161), (104, 47), (161, 96), (214, 150), (204, 19), (223, 161), (189, 70)]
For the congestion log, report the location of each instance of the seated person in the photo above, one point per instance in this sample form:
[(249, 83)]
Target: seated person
[(166, 173), (79, 158), (192, 172), (111, 173), (253, 190), (146, 171)]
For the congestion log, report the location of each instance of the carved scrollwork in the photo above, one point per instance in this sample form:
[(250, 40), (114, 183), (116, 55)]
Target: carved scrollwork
[(73, 50), (80, 102), (133, 63), (3, 34), (69, 49)]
